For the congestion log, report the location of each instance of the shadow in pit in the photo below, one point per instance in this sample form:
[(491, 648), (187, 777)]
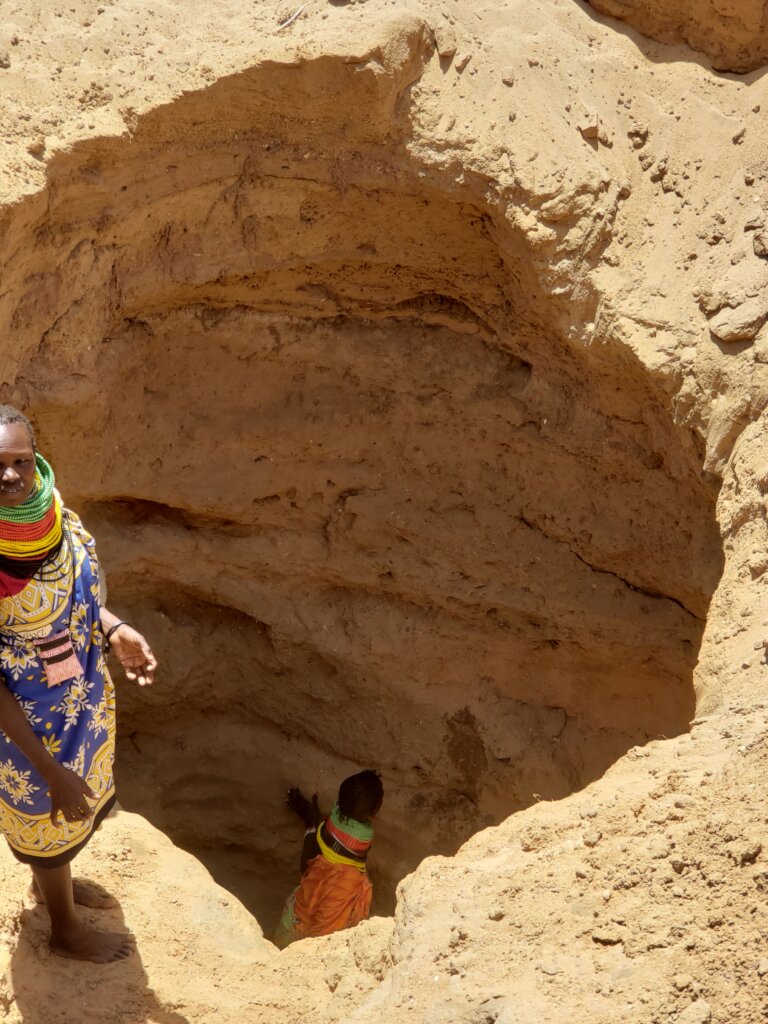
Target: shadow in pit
[(678, 52), (48, 988)]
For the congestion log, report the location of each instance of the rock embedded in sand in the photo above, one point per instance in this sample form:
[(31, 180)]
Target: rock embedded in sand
[(698, 1012), (589, 124), (550, 967), (741, 323), (760, 242), (36, 147), (609, 935), (445, 41)]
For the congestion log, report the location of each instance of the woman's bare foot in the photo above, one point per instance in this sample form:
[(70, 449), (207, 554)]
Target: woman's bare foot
[(79, 942), (90, 894), (85, 893)]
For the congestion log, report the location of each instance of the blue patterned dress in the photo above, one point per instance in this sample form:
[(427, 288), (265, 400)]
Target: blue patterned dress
[(75, 720)]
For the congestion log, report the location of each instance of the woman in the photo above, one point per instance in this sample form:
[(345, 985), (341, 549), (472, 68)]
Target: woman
[(334, 892), (57, 710)]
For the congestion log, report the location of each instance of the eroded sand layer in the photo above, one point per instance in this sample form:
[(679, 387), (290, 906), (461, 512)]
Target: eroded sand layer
[(370, 507)]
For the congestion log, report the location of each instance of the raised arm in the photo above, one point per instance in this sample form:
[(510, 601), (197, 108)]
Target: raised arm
[(311, 815)]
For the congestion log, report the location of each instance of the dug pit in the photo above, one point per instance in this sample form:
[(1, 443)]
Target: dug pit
[(369, 506)]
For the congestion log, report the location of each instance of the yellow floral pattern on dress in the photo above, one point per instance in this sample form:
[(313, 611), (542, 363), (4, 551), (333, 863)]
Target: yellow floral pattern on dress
[(17, 784), (75, 702), (101, 716), (77, 764), (79, 627), (52, 745), (74, 720), (32, 833), (33, 611), (15, 661)]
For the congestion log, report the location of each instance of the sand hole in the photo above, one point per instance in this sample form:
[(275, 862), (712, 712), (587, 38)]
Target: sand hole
[(369, 506)]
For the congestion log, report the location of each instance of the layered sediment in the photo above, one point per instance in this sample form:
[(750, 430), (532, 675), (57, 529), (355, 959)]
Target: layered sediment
[(409, 373)]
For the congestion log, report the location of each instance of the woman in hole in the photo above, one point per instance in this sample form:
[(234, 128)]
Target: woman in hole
[(335, 891), (57, 709)]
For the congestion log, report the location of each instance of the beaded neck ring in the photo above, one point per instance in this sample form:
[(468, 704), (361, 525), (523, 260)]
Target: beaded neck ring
[(31, 531), (39, 502)]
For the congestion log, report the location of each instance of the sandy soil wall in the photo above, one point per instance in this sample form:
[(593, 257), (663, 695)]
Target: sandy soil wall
[(371, 507), (732, 34), (410, 368)]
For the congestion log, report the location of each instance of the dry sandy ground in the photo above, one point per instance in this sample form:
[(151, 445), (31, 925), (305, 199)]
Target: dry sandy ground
[(506, 261)]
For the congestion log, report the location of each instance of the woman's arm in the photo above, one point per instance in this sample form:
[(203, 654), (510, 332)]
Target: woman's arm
[(132, 650), (311, 815), (68, 791), (108, 620), (309, 850)]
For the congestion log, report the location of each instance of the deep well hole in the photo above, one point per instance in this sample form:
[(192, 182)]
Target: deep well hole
[(368, 507)]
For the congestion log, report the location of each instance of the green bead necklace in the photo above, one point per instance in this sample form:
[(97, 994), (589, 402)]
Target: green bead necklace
[(38, 503)]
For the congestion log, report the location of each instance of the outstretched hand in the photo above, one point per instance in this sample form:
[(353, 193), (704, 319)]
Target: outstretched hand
[(309, 813), (134, 654)]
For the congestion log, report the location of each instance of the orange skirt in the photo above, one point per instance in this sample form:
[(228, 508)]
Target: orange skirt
[(329, 898)]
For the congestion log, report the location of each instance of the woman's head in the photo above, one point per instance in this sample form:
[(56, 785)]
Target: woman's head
[(361, 795), (17, 456)]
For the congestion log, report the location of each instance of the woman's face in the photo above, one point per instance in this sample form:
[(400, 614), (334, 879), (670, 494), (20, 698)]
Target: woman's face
[(17, 464)]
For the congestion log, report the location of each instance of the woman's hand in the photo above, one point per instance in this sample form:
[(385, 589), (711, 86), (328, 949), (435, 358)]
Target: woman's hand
[(134, 654), (309, 813), (69, 795)]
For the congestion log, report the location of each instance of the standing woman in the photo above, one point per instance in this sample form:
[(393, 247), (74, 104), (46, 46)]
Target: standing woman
[(57, 708)]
